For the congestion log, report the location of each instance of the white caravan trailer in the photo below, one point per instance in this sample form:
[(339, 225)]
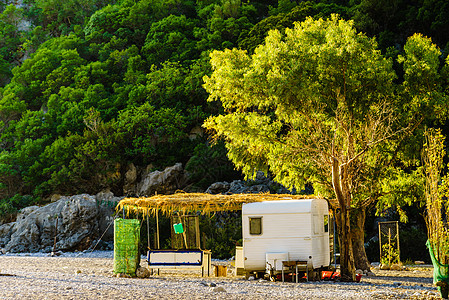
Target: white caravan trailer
[(283, 233)]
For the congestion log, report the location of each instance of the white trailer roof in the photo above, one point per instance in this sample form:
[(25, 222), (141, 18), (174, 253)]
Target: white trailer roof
[(280, 207)]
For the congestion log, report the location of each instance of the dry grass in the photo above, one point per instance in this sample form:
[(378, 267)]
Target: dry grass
[(436, 196), (194, 202)]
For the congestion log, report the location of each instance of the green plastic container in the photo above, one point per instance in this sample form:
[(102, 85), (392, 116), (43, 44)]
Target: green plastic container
[(178, 228), (440, 274), (126, 246)]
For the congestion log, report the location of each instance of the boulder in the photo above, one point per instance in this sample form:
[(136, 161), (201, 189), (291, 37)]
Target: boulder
[(162, 182), (5, 235), (260, 184), (218, 188), (238, 187), (142, 272), (260, 188), (218, 289), (76, 221), (55, 197), (130, 180), (167, 181), (396, 267), (248, 187)]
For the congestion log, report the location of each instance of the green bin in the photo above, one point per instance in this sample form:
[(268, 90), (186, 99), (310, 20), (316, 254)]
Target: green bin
[(126, 246)]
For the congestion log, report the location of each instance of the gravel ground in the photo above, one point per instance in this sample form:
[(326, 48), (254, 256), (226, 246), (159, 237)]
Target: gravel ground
[(89, 276)]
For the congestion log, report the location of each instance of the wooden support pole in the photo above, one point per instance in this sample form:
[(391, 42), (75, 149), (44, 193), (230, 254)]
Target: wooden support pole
[(389, 246), (380, 242), (184, 231), (397, 239), (197, 232), (157, 229), (148, 231)]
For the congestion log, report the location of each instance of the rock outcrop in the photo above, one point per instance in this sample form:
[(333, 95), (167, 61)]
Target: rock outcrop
[(260, 184), (75, 221), (147, 182)]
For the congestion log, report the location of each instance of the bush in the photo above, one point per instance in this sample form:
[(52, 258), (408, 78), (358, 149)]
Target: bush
[(209, 164), (9, 207), (222, 232), (412, 242)]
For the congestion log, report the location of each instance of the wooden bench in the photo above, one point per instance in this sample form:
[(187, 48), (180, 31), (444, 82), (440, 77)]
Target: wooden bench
[(180, 259)]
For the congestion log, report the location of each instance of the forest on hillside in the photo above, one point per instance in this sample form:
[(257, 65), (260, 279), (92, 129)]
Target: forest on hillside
[(88, 87)]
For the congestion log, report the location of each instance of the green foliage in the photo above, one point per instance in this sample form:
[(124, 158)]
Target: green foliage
[(106, 20), (143, 132), (11, 206), (268, 92), (9, 175), (434, 18), (61, 16), (284, 6), (225, 23), (170, 39), (278, 21), (5, 72), (393, 21), (10, 35), (11, 39), (404, 188), (166, 85), (391, 255), (208, 164), (222, 231), (412, 240)]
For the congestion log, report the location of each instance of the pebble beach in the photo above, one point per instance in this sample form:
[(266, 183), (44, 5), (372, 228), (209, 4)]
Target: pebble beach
[(89, 275)]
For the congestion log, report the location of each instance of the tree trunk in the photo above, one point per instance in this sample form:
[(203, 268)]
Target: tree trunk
[(358, 239), (339, 183), (347, 268)]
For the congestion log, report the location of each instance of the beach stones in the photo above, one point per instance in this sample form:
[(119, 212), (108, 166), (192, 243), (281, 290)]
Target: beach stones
[(142, 272)]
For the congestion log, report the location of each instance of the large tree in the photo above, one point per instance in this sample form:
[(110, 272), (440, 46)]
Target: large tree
[(314, 105)]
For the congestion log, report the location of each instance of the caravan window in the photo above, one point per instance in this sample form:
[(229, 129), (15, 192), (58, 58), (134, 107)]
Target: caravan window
[(317, 225), (255, 225), (326, 223)]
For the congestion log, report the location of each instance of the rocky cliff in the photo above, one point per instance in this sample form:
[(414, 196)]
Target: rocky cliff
[(70, 223)]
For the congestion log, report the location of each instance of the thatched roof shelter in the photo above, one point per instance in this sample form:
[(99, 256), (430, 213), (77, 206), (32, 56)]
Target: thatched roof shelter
[(194, 202)]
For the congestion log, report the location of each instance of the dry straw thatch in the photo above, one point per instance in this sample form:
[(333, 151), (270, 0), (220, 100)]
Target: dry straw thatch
[(193, 202)]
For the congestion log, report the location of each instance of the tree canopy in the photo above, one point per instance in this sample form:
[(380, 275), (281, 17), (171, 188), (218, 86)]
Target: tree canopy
[(317, 105)]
